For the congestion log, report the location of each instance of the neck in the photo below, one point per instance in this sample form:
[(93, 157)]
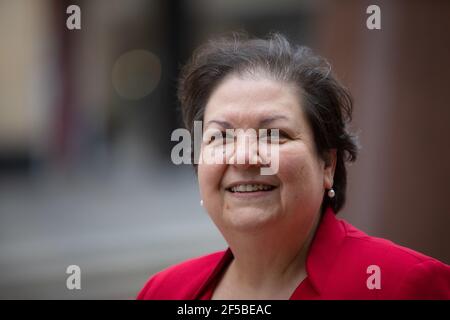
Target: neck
[(271, 258)]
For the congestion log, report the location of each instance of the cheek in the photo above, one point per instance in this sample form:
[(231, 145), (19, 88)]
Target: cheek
[(209, 177), (299, 169)]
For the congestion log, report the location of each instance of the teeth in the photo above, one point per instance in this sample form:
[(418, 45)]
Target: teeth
[(250, 187)]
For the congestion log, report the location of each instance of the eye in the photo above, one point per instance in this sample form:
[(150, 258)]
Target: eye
[(225, 137), (228, 137), (271, 134)]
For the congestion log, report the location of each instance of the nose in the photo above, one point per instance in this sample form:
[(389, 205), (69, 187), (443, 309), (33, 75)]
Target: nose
[(245, 153)]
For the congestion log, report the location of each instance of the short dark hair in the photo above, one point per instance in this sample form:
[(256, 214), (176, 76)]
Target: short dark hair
[(327, 104)]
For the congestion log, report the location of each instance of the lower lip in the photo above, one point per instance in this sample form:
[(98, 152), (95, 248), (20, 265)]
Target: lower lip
[(251, 195)]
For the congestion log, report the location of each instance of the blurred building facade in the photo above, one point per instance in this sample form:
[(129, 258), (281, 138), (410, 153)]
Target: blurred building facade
[(86, 117)]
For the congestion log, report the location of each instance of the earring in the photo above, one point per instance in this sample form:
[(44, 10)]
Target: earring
[(331, 193), (201, 203)]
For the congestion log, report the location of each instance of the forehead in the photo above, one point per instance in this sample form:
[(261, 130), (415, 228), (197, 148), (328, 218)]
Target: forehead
[(249, 99)]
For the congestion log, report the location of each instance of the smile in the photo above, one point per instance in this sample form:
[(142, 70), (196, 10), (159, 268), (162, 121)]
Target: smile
[(246, 188)]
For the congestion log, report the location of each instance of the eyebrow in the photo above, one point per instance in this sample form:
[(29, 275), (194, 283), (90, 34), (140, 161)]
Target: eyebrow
[(263, 122)]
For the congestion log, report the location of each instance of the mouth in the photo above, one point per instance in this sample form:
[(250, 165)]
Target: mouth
[(241, 188)]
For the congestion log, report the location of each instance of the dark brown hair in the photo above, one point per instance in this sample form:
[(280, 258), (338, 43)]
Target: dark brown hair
[(327, 104)]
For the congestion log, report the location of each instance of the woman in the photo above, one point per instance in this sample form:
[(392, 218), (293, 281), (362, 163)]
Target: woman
[(284, 239)]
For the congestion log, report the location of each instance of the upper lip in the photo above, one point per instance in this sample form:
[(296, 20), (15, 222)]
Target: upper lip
[(234, 184)]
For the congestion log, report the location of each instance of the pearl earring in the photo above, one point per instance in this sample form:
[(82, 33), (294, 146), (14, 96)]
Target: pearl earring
[(331, 193), (201, 203)]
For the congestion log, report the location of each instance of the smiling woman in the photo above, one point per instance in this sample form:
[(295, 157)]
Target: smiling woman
[(284, 239)]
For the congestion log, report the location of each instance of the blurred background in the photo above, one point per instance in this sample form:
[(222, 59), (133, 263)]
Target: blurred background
[(86, 117)]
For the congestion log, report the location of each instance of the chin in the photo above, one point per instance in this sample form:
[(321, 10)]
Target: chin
[(249, 219)]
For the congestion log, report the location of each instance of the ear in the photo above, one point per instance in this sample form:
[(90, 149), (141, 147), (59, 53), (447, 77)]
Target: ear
[(329, 168)]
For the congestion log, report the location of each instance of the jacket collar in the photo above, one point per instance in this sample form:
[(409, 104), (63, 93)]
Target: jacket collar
[(324, 249), (322, 254)]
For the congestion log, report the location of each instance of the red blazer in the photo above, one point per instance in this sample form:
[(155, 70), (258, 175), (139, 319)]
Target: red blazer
[(337, 265)]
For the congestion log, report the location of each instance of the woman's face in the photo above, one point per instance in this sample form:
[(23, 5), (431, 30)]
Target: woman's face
[(294, 194)]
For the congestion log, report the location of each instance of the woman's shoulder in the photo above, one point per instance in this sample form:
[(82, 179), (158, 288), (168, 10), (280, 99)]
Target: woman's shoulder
[(404, 273), (182, 280), (382, 249)]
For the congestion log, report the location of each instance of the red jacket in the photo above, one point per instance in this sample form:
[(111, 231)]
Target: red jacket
[(338, 267)]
